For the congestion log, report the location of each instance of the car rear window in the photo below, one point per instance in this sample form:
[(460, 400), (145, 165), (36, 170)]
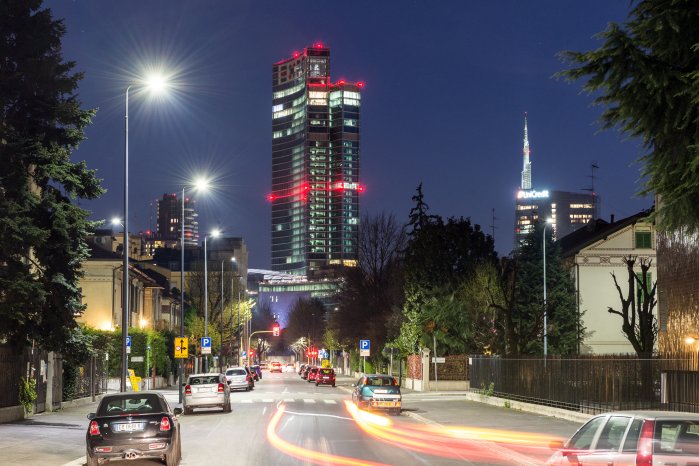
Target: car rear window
[(326, 371), (379, 381), (677, 437), (127, 404), (202, 380), (236, 372)]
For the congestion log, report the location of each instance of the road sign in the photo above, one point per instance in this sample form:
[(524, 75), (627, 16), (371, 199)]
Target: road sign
[(136, 358), (128, 344), (245, 353), (364, 347), (206, 345), (439, 360), (181, 348)]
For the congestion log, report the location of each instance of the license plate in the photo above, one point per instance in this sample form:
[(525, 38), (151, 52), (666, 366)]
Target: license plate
[(130, 427), (205, 389), (386, 404), (326, 377)]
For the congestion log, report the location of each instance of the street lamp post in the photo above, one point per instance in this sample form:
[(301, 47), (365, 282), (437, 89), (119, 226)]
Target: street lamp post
[(214, 234), (154, 83)]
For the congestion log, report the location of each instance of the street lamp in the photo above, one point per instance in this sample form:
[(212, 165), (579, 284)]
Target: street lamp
[(155, 84), (213, 234), (199, 185), (546, 223)]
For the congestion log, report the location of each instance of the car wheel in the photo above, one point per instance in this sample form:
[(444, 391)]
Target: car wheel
[(317, 384), (173, 459), (333, 385), (179, 447), (227, 407), (188, 411), (91, 460)]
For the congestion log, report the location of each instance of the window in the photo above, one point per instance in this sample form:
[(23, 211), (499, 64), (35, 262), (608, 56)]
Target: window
[(631, 442), (643, 240), (582, 440), (613, 433), (639, 286)]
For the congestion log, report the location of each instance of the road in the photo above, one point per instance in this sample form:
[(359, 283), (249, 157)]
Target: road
[(287, 421)]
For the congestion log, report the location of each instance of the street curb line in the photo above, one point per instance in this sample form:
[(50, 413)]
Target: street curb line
[(79, 462)]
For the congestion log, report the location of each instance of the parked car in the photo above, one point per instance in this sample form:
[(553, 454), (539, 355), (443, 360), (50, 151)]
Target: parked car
[(237, 378), (634, 438), (306, 370), (325, 376), (256, 372), (275, 367), (312, 373), (206, 391), (251, 378), (302, 368), (134, 425), (376, 391)]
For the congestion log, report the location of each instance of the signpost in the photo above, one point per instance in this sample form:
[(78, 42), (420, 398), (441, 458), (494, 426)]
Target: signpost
[(439, 360), (136, 358), (206, 345), (181, 348), (364, 351), (128, 345)]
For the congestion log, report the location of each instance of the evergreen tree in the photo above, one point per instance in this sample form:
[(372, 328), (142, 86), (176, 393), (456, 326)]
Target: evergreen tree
[(42, 234), (646, 75), (563, 320)]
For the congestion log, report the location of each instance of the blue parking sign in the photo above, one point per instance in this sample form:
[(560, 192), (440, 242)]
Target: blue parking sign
[(128, 344), (364, 344), (206, 345)]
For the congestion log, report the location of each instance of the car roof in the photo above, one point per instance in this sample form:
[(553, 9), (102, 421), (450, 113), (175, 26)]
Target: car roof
[(205, 374), (235, 367), (651, 414)]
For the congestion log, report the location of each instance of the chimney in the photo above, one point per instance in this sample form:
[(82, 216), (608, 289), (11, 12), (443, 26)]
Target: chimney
[(612, 218)]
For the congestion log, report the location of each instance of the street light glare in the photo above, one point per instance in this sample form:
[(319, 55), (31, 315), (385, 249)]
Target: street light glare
[(549, 221), (156, 83), (201, 184), (216, 233), (116, 221)]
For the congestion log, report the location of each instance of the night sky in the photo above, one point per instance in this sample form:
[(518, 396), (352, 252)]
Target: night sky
[(447, 85)]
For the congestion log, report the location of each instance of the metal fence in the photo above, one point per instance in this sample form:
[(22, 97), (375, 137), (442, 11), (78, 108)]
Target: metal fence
[(587, 384), (90, 379)]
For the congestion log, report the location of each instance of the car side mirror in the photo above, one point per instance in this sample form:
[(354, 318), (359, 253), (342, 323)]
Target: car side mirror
[(177, 411), (184, 384), (91, 416), (354, 384)]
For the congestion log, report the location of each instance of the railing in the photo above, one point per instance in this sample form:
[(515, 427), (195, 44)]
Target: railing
[(587, 384)]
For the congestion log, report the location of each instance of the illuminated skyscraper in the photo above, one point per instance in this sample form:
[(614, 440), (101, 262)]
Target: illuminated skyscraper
[(170, 217), (315, 165)]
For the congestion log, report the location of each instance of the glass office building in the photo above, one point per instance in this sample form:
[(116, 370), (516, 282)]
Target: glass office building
[(315, 165)]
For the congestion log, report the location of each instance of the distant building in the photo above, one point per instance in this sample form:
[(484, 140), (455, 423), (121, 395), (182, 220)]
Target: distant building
[(593, 253), (315, 165), (568, 211), (169, 218)]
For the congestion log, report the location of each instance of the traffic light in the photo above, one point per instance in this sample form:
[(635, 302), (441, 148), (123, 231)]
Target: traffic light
[(276, 329)]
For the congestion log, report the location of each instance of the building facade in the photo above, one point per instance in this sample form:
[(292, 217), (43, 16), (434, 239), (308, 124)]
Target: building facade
[(595, 252), (315, 165)]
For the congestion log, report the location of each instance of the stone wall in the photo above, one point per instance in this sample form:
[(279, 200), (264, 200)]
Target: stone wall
[(455, 367)]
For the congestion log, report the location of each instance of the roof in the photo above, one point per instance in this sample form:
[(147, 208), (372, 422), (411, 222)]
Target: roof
[(594, 231), (158, 278), (98, 253)]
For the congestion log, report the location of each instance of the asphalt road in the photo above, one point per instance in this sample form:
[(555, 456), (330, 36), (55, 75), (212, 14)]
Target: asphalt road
[(315, 427)]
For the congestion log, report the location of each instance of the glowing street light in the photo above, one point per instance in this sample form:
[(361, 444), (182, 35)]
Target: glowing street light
[(154, 84)]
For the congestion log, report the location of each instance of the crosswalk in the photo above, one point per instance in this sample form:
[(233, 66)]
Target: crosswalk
[(309, 401)]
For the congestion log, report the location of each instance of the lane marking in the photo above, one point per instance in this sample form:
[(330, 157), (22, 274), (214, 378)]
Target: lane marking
[(268, 400), (289, 400), (308, 400), (319, 415), (246, 401), (330, 402)]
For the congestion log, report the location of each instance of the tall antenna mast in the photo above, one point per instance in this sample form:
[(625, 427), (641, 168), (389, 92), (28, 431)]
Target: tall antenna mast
[(527, 165), (492, 226)]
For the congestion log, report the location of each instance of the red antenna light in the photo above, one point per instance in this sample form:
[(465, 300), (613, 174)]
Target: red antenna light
[(341, 82), (360, 188), (319, 45), (271, 197), (296, 54), (360, 84)]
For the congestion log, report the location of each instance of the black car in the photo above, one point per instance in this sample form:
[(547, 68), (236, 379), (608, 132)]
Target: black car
[(133, 425)]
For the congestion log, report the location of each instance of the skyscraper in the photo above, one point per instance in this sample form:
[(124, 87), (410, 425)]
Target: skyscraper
[(315, 165), (170, 217), (568, 211)]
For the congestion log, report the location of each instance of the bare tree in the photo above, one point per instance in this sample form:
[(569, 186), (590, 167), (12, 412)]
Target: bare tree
[(639, 323)]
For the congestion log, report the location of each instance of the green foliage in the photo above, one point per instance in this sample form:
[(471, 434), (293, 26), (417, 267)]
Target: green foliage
[(646, 76), (507, 404), (70, 380), (27, 393), (42, 234), (306, 319), (488, 391)]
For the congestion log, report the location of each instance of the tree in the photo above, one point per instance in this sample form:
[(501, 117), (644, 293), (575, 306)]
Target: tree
[(646, 75), (306, 319), (42, 234), (639, 323)]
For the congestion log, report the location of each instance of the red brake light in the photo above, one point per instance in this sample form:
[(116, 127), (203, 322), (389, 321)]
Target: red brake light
[(187, 390), (220, 388), (644, 454), (165, 424), (94, 428), (395, 381)]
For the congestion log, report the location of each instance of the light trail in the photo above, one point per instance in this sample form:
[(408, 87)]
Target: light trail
[(306, 454)]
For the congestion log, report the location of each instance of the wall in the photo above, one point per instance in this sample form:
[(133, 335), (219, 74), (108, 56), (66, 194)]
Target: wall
[(98, 285), (593, 268)]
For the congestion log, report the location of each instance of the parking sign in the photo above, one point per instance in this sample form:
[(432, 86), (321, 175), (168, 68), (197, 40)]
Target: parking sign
[(364, 347), (206, 345), (128, 344)]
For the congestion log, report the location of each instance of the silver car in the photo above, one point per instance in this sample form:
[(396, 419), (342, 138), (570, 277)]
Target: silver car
[(648, 438), (237, 378), (206, 391)]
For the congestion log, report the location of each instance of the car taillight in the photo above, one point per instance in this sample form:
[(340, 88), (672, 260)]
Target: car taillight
[(220, 388), (644, 453), (165, 424), (94, 428), (395, 382), (187, 390)]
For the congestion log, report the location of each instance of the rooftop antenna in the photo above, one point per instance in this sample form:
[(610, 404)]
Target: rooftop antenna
[(591, 189), (492, 226)]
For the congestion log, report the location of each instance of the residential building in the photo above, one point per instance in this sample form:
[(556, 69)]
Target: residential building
[(594, 253), (315, 165)]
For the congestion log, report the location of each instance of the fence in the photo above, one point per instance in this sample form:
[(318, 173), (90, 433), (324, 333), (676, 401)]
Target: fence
[(588, 384), (89, 379), (28, 362)]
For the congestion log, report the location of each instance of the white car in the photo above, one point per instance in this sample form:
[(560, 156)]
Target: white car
[(206, 391), (237, 378)]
